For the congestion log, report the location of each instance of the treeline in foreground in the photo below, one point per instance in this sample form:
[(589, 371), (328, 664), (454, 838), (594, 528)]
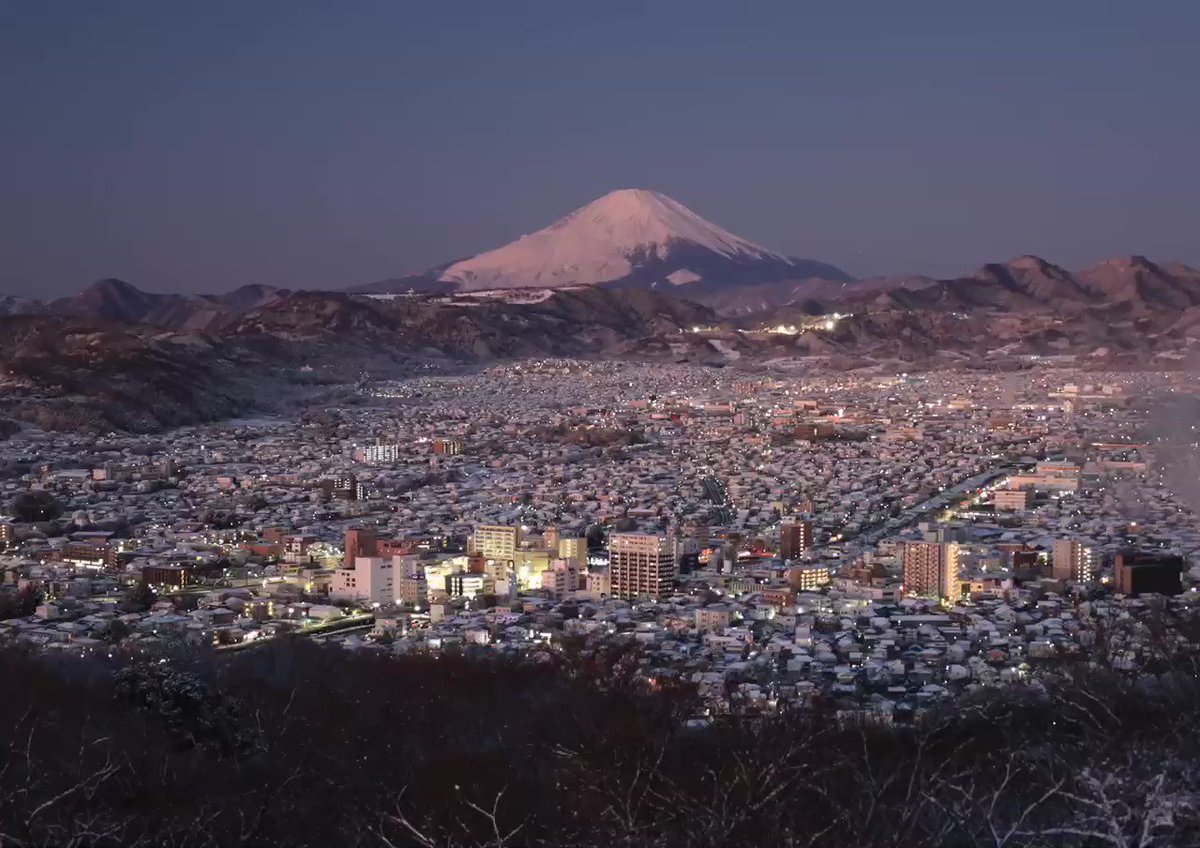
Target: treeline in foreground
[(304, 745)]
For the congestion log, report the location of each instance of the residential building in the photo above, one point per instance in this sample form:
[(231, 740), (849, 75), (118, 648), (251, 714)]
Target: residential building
[(640, 566), (714, 617), (1072, 561), (807, 578), (931, 569), (495, 542), (1011, 500), (1138, 572), (574, 549), (795, 538)]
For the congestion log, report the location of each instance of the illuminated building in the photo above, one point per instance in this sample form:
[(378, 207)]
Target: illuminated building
[(448, 447), (371, 579), (714, 617), (468, 585), (808, 578), (1011, 500), (794, 539), (931, 569), (573, 549), (1072, 561), (378, 454), (495, 542), (640, 566)]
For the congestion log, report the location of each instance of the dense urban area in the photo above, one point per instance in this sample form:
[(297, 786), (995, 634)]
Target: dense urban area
[(745, 550)]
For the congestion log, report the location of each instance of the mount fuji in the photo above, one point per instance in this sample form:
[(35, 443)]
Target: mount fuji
[(631, 238)]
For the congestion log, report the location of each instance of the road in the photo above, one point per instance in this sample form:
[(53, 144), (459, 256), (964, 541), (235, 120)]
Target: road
[(941, 504), (715, 492), (349, 623)]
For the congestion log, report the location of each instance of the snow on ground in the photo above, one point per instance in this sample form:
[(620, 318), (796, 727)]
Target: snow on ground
[(515, 295), (682, 277)]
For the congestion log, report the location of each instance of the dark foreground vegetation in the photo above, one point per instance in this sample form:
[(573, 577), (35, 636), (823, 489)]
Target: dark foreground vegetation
[(304, 745)]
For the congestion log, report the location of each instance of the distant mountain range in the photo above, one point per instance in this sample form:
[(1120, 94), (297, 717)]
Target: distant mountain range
[(115, 357), (1131, 285), (633, 274), (117, 300)]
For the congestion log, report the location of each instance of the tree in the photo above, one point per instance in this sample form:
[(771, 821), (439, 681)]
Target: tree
[(595, 536), (139, 597), (36, 506), (117, 630), (20, 604)]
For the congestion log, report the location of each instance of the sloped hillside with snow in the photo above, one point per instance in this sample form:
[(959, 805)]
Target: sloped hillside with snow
[(631, 237)]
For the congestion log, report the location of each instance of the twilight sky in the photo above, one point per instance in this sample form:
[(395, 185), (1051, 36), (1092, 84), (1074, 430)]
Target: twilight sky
[(202, 146)]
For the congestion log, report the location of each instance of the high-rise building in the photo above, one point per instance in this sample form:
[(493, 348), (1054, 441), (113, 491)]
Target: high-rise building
[(1138, 572), (1072, 561), (640, 566), (494, 542), (931, 532), (574, 549), (360, 542), (795, 538), (931, 569)]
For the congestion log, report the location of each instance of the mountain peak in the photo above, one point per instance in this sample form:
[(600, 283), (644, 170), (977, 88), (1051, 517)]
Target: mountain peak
[(1029, 261), (630, 196), (111, 284), (636, 202), (1131, 261), (630, 236)]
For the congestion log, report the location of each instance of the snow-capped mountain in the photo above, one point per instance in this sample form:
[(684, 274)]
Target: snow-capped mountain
[(629, 238)]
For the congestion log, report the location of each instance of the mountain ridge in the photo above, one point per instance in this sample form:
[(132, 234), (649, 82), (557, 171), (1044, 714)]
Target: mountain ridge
[(115, 356)]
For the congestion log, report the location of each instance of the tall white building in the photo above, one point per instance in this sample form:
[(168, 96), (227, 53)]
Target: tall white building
[(573, 549), (640, 566), (372, 579), (495, 542)]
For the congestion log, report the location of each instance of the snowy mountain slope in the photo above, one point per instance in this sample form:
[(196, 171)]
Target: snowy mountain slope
[(631, 237)]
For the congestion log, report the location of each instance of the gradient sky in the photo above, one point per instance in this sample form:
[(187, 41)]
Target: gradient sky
[(201, 146)]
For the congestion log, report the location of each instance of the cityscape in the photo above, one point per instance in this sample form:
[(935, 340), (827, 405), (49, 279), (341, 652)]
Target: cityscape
[(881, 547), (394, 455)]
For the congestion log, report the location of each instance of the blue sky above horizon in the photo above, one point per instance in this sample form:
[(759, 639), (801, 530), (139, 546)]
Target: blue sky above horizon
[(199, 147)]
